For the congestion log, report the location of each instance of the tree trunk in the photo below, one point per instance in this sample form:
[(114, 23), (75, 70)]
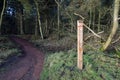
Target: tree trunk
[(1, 17), (46, 25), (93, 22), (115, 25), (58, 18), (21, 24), (99, 18), (90, 19), (36, 27), (38, 17)]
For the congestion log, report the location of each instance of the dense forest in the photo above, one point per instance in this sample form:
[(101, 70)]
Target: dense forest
[(51, 27)]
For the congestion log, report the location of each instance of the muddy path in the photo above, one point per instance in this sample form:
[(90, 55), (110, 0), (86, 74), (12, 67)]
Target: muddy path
[(27, 67)]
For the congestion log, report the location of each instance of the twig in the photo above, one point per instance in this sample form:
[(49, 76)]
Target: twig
[(92, 31), (87, 26), (92, 35), (79, 15), (57, 3), (118, 18), (116, 40)]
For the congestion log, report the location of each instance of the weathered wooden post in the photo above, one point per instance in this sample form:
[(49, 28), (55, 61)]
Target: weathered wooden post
[(80, 44)]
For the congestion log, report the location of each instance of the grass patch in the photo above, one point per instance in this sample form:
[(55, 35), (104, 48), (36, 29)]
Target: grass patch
[(97, 66)]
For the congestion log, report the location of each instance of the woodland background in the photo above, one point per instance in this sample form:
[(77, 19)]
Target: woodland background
[(51, 25)]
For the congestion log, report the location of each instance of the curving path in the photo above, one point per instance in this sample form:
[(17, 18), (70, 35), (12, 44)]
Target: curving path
[(27, 67)]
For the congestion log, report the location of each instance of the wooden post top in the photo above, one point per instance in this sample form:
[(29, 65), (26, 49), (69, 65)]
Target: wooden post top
[(80, 23)]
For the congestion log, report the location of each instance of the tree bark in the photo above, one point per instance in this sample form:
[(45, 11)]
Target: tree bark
[(36, 26), (93, 22), (99, 17), (1, 17), (115, 25), (21, 24), (90, 20), (58, 18), (46, 25), (38, 17)]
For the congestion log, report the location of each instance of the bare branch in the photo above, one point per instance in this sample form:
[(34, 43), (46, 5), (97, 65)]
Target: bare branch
[(92, 35), (79, 15), (57, 3), (116, 40), (92, 31), (87, 26)]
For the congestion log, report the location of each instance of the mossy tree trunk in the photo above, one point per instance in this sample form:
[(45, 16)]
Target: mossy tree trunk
[(115, 25), (1, 17)]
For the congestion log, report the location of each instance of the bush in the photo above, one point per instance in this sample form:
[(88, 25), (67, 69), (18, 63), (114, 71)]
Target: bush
[(5, 54), (7, 49)]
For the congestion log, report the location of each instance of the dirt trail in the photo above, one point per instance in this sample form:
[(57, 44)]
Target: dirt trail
[(27, 67)]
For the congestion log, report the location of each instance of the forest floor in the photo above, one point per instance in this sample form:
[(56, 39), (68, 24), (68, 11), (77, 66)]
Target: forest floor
[(25, 67), (60, 59)]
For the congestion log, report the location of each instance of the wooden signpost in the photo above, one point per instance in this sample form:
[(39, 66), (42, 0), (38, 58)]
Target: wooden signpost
[(80, 44)]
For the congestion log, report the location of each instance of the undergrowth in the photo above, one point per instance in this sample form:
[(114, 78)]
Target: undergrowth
[(7, 49), (97, 66)]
